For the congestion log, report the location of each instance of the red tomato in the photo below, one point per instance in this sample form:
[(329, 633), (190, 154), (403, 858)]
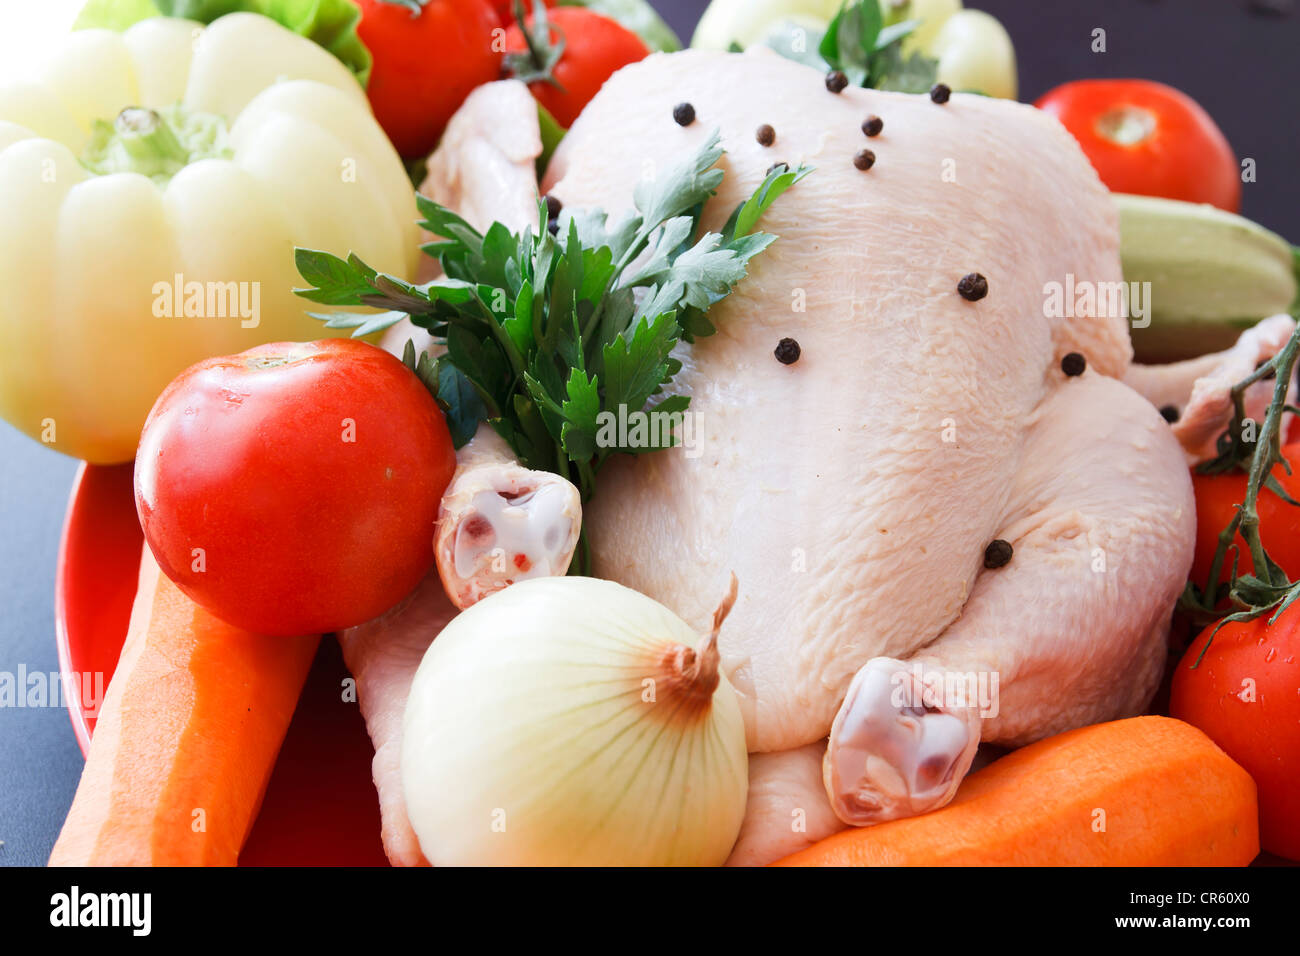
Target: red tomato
[(425, 64), (1245, 695), (1149, 139), (293, 488), (595, 46), (1279, 523)]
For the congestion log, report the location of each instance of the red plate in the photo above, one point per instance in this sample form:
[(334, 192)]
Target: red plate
[(320, 808)]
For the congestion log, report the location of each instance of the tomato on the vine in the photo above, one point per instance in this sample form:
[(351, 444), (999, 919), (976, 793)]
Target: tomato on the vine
[(1217, 497), (428, 56), (1245, 695), (594, 48), (1149, 139), (294, 488)]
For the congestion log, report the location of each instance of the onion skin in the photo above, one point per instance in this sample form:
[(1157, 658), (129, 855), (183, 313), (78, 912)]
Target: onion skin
[(550, 724)]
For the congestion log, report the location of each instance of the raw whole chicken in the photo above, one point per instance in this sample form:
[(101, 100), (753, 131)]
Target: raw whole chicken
[(939, 488), (944, 490)]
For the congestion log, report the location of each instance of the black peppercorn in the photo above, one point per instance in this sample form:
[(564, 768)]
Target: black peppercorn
[(872, 125), (765, 135), (553, 227), (836, 81), (553, 207), (864, 159), (775, 166), (684, 114), (1170, 413), (973, 287), (1073, 364), (940, 92), (997, 554), (787, 351)]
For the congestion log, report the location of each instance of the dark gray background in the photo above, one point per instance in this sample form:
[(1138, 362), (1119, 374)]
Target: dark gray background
[(1241, 66)]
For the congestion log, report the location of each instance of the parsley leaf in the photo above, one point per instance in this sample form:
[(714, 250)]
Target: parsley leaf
[(869, 50), (850, 39), (552, 338)]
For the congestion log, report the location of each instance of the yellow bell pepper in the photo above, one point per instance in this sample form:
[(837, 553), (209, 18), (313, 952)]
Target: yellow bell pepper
[(153, 186)]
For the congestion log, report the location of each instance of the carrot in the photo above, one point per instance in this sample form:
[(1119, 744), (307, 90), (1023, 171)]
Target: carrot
[(186, 737), (1148, 791)]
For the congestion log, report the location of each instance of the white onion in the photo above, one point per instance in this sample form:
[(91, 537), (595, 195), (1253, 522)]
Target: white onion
[(571, 721)]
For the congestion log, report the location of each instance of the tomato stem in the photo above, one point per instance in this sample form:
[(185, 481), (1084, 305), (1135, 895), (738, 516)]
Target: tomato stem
[(538, 64), (1267, 586)]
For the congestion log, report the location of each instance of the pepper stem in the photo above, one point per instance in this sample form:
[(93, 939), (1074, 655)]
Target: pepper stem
[(149, 140), (157, 143)]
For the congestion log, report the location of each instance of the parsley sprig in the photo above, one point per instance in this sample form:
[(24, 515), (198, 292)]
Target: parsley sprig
[(862, 42), (544, 332), (869, 50)]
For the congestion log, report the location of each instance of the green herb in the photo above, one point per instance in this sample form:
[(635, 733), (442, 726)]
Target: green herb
[(332, 24), (417, 170), (858, 41), (863, 43), (551, 337), (552, 135)]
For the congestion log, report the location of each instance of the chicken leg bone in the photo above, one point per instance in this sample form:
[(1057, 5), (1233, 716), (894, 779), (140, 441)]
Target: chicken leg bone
[(500, 522), (897, 747), (1200, 389)]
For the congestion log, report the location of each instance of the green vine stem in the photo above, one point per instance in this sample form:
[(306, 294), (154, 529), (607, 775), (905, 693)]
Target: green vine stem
[(1267, 586)]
